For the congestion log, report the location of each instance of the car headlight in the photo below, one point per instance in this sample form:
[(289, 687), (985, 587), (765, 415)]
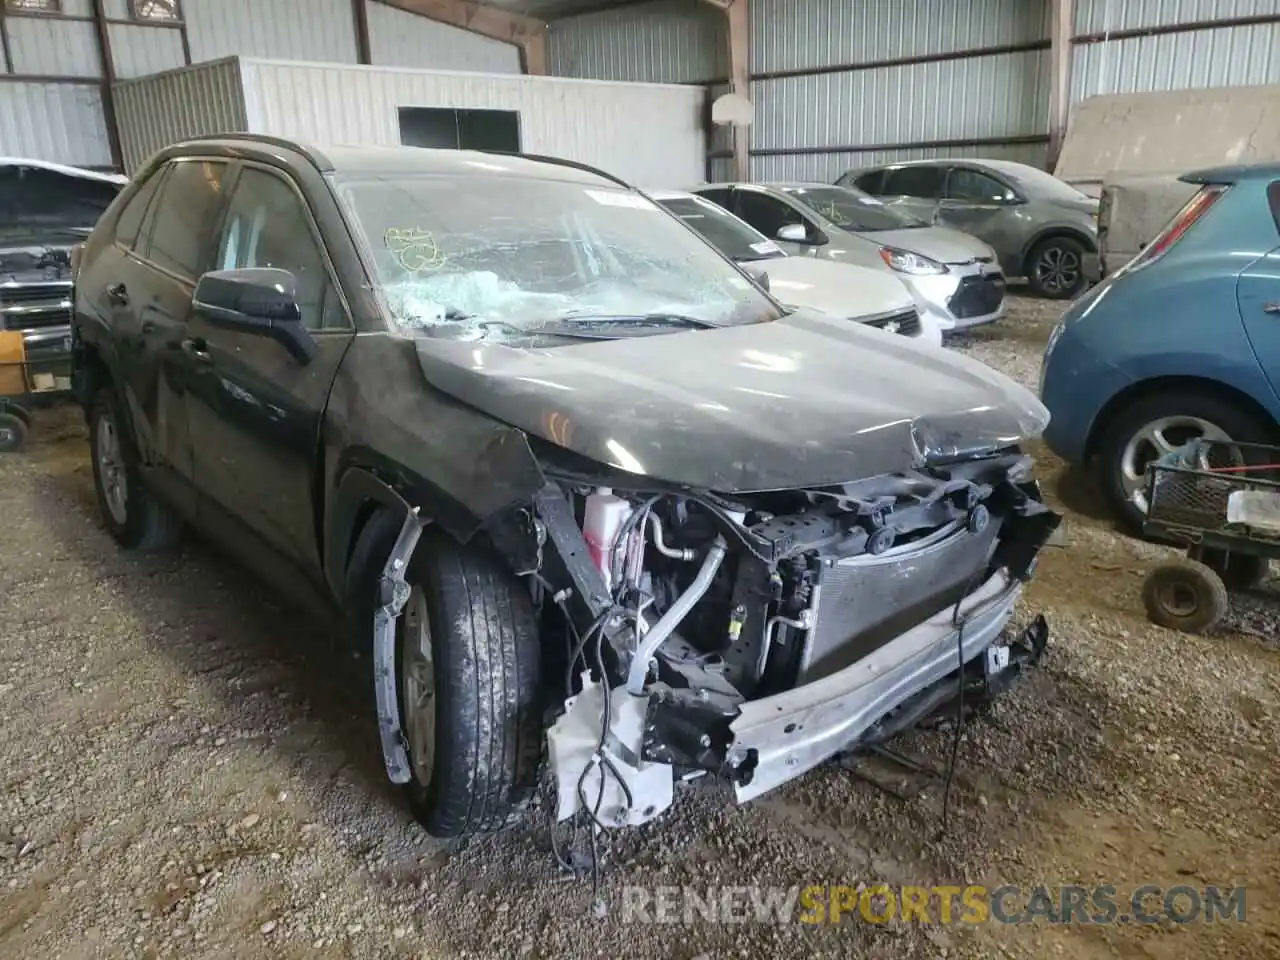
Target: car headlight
[(915, 264)]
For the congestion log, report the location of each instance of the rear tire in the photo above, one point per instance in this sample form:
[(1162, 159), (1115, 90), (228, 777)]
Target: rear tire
[(1173, 415), (132, 514), (1055, 268), (482, 721)]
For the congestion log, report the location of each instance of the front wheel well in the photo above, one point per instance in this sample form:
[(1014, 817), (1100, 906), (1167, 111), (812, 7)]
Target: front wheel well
[(1079, 236), (1174, 384)]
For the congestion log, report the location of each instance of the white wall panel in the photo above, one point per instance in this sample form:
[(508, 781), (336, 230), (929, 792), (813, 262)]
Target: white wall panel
[(287, 29), (651, 134), (138, 50), (398, 38), (45, 47), (1227, 56), (798, 34), (1099, 16), (61, 122), (672, 41)]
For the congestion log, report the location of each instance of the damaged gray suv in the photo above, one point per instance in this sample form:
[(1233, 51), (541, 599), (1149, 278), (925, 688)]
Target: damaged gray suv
[(591, 501)]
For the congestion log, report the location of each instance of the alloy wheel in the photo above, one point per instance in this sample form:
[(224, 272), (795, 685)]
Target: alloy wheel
[(418, 686), (1058, 270), (1153, 441), (111, 471)]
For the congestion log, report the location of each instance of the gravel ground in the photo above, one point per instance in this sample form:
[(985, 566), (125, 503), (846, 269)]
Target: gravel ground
[(187, 772)]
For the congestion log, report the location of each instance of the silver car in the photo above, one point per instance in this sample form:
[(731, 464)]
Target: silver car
[(954, 278), (1041, 228), (862, 294)]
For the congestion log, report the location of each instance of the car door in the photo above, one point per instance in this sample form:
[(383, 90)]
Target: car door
[(1258, 295), (256, 411), (978, 204), (914, 189), (769, 214), (146, 284)]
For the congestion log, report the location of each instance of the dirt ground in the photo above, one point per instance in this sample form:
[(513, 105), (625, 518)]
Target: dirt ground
[(189, 770)]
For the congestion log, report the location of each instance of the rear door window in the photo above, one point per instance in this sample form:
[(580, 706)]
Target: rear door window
[(922, 182), (971, 186), (186, 210)]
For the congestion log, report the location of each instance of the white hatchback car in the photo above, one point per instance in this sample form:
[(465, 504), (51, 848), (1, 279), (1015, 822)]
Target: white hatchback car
[(862, 294)]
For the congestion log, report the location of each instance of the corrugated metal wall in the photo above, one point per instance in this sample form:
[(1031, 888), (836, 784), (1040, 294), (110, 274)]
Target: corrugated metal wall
[(61, 122), (1216, 56), (672, 41), (401, 39), (53, 120), (651, 134), (153, 112), (288, 29), (845, 97)]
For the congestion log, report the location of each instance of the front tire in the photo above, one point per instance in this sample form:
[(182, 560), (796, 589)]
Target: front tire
[(468, 678), (1155, 425), (132, 514), (1055, 268)]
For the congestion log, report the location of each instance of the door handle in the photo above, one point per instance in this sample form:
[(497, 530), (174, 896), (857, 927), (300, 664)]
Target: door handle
[(197, 350), (118, 294), (1271, 307)]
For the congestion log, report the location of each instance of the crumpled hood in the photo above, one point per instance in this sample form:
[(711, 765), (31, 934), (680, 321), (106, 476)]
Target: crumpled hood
[(840, 289), (937, 243), (804, 401)]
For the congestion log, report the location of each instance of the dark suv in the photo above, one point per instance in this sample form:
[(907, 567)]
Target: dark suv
[(584, 492)]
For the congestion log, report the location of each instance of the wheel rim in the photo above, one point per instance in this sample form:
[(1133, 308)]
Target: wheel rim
[(1058, 269), (1154, 440), (7, 435), (418, 687), (1179, 599), (115, 488)]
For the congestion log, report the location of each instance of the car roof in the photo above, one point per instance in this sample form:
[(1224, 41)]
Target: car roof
[(381, 160), (64, 169), (767, 185), (1231, 174), (661, 195)]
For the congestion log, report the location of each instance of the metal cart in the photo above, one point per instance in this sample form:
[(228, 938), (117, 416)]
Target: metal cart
[(28, 378), (1222, 500)]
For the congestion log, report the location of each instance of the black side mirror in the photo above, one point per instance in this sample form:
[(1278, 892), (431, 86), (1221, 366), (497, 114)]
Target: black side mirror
[(258, 300)]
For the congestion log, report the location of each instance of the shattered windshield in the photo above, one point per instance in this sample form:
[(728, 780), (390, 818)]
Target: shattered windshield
[(852, 209), (508, 259), (731, 236)]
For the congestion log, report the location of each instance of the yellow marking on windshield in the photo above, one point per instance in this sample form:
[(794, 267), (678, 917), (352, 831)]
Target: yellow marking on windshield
[(415, 250)]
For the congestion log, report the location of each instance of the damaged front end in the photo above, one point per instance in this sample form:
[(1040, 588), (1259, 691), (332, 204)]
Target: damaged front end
[(753, 637)]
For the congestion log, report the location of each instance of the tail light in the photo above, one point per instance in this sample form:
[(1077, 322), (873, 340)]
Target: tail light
[(1177, 228)]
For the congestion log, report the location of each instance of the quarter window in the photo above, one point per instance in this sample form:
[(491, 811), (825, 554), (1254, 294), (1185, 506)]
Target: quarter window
[(974, 187), (130, 220), (923, 183), (185, 209), (267, 226)]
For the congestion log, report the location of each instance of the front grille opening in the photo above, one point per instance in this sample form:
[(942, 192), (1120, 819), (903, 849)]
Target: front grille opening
[(906, 323), (977, 297)]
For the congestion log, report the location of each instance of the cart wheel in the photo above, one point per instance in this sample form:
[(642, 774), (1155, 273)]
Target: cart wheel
[(1239, 571), (1185, 595), (13, 433)]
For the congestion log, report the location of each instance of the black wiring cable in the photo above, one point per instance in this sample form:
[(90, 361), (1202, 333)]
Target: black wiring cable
[(959, 623)]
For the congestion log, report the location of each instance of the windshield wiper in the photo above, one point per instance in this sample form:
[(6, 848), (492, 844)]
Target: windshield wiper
[(651, 319)]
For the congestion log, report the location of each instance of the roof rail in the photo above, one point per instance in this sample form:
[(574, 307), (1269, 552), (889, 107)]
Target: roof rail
[(561, 162), (317, 159)]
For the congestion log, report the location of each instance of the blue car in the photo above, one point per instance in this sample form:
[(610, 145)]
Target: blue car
[(1183, 342)]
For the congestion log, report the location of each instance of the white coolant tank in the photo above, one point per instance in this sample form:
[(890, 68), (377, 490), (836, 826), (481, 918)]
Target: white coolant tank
[(603, 518)]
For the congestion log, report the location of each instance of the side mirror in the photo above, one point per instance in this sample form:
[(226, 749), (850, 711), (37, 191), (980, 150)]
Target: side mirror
[(793, 233), (257, 300)]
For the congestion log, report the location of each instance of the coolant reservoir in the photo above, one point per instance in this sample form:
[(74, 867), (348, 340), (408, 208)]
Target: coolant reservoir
[(604, 516)]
